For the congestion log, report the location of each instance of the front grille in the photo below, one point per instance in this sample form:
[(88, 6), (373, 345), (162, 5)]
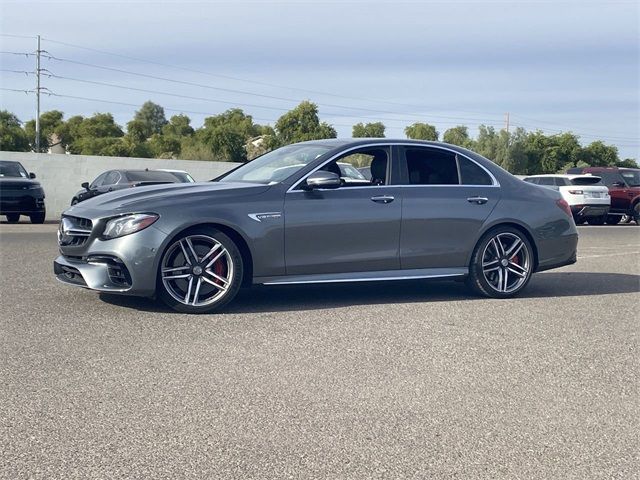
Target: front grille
[(74, 231)]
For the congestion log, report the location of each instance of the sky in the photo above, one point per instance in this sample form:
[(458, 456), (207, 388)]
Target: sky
[(552, 65)]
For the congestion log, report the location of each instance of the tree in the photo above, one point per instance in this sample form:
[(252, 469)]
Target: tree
[(458, 136), (12, 136), (368, 130), (151, 117), (49, 122), (226, 134), (302, 124), (422, 131), (628, 163), (597, 154)]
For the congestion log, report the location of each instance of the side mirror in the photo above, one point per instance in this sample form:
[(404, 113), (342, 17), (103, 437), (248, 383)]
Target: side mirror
[(323, 179), (32, 175), (618, 184), (85, 185)]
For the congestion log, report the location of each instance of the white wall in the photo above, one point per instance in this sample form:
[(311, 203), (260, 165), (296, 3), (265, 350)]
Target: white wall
[(61, 175)]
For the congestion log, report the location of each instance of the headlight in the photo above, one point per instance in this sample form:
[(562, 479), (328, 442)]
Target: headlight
[(121, 226)]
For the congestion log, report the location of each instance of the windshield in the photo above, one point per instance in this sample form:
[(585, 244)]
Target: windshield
[(632, 177), (277, 165), (12, 169)]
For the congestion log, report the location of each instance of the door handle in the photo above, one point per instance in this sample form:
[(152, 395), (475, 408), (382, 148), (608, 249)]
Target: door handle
[(478, 200), (383, 199)]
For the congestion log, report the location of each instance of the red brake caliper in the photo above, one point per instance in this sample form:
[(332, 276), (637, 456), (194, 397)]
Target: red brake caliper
[(220, 269)]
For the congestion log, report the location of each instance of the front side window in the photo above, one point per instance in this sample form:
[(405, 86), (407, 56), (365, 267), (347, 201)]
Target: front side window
[(112, 178), (632, 177), (98, 182), (364, 167), (278, 165), (151, 176)]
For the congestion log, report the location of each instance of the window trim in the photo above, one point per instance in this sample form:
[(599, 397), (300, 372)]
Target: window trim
[(394, 152)]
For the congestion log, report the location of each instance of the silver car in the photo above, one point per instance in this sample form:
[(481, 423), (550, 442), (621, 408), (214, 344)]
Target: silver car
[(429, 210)]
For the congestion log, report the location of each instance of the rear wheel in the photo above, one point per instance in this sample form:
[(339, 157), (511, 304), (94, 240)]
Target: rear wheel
[(636, 213), (502, 263), (579, 221), (613, 219), (13, 217), (597, 220), (200, 272), (37, 217)]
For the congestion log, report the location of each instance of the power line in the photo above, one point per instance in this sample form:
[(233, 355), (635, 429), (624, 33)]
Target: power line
[(255, 82), (244, 92)]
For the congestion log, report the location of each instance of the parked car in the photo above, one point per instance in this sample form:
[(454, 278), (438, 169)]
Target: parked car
[(20, 193), (586, 195), (430, 210), (624, 188), (112, 180)]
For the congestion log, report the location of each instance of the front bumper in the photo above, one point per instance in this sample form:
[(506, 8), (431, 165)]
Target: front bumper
[(24, 204), (126, 265)]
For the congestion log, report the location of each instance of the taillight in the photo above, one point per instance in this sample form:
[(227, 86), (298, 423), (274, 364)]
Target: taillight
[(564, 206), (576, 192)]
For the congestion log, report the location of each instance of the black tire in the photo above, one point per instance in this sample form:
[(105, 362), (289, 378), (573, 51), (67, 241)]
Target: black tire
[(74, 201), (597, 220), (13, 217), (613, 219), (174, 257), (636, 213), (579, 221), (481, 282), (37, 217)]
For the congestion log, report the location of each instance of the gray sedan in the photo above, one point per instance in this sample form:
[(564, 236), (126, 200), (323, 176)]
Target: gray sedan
[(429, 210)]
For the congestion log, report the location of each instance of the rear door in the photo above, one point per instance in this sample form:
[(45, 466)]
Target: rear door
[(446, 198)]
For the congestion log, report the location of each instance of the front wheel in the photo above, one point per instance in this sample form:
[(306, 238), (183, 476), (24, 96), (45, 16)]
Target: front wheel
[(37, 217), (200, 272), (636, 213), (502, 263)]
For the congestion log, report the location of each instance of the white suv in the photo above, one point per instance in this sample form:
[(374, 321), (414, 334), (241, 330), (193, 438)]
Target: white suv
[(586, 195)]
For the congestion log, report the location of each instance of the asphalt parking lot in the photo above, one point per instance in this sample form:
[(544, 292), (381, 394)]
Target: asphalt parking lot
[(388, 380)]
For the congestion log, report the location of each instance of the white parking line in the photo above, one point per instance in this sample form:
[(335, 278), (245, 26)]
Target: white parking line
[(608, 255)]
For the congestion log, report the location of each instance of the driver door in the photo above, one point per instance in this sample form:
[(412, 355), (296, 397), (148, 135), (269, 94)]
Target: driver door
[(352, 228)]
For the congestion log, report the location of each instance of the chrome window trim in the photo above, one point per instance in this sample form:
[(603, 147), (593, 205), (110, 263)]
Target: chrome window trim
[(495, 184)]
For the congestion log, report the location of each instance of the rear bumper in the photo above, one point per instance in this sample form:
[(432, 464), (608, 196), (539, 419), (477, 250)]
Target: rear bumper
[(589, 210), (557, 252)]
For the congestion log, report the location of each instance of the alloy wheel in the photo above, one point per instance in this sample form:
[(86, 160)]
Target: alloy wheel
[(506, 262), (197, 270)]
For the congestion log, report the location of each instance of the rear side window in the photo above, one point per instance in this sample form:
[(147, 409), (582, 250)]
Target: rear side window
[(609, 178), (561, 182), (472, 174), (431, 167), (531, 180), (548, 181)]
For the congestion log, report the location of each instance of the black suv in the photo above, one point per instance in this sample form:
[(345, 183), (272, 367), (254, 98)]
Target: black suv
[(20, 194)]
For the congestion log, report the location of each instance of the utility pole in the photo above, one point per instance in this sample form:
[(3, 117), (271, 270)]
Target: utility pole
[(506, 121), (38, 97)]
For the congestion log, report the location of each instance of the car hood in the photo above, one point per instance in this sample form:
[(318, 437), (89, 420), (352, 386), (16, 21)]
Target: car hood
[(156, 197), (17, 183)]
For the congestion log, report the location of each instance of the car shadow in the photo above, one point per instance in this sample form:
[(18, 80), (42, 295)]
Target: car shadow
[(261, 299)]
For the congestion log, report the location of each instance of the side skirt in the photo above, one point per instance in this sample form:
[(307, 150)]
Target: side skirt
[(414, 274)]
